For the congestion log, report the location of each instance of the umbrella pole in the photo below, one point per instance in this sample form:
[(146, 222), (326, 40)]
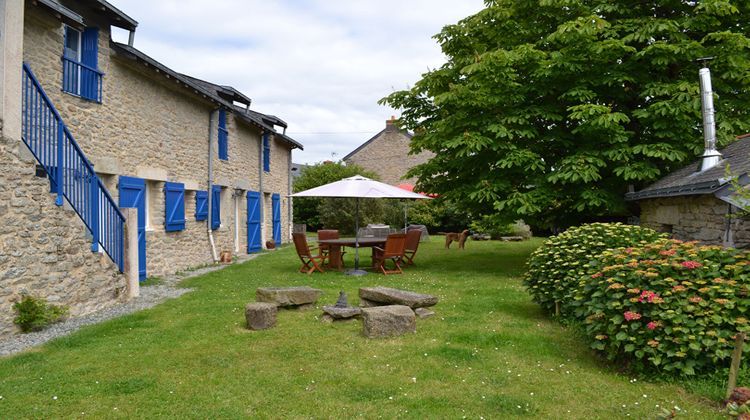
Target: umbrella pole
[(356, 271)]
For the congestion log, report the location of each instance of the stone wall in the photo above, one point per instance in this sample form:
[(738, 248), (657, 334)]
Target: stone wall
[(151, 127), (697, 217), (387, 154), (45, 250)]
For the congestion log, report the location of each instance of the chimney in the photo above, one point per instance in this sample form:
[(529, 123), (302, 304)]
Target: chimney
[(711, 156), (390, 125)]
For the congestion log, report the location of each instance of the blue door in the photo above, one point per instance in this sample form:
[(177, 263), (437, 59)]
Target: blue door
[(253, 222), (133, 195), (276, 209)]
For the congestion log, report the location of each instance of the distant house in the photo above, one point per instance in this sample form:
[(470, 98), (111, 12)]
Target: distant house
[(298, 169), (387, 154), (699, 205)]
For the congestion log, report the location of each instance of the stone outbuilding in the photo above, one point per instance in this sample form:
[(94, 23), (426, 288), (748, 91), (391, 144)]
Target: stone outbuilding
[(387, 154), (94, 130), (700, 205)]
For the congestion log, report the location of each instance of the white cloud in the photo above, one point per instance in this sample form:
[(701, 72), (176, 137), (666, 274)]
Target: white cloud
[(320, 65)]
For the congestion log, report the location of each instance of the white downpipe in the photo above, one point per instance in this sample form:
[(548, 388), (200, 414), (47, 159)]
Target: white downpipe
[(214, 255), (262, 194)]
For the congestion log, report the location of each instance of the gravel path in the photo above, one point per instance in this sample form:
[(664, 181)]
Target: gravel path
[(150, 297)]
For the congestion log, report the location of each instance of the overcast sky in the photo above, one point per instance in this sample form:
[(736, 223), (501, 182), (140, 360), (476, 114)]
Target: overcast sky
[(320, 65)]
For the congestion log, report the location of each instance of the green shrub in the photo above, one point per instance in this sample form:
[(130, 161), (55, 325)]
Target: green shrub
[(35, 314), (668, 306), (555, 268)]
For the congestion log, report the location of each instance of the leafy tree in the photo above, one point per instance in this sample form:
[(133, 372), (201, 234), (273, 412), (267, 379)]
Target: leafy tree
[(339, 212), (547, 109)]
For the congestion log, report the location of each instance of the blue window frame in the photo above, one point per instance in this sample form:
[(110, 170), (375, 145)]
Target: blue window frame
[(266, 152), (223, 136), (80, 60), (174, 199)]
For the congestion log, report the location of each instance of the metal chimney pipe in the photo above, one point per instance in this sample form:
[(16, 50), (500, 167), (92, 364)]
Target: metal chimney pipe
[(711, 156)]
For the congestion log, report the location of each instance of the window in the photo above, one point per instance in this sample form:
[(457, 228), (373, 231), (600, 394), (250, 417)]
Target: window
[(81, 75), (174, 200), (266, 153), (223, 135), (151, 198)]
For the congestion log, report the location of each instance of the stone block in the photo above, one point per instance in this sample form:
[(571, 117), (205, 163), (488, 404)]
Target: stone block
[(260, 315), (424, 313), (388, 321), (390, 296), (288, 296), (342, 313)]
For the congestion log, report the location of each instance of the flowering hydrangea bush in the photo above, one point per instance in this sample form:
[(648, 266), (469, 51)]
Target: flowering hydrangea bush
[(556, 268), (667, 306)]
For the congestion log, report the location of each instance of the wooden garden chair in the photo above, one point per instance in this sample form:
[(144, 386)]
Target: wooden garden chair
[(326, 249), (310, 262), (393, 250), (412, 244)]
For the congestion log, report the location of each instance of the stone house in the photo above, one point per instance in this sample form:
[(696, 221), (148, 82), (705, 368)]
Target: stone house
[(387, 154), (91, 128), (695, 204)]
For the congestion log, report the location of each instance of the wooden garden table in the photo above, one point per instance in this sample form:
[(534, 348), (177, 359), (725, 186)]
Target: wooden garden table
[(334, 260)]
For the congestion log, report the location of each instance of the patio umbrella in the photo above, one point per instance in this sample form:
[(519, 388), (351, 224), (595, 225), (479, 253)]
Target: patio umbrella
[(358, 187)]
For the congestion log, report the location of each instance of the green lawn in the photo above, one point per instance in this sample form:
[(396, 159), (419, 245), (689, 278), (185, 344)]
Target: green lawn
[(488, 353)]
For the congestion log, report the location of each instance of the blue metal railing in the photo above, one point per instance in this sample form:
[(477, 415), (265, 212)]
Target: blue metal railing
[(71, 175), (82, 80)]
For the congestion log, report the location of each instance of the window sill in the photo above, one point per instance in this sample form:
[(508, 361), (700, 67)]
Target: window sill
[(76, 95)]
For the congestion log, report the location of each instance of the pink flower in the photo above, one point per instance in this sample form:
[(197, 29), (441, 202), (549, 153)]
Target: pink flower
[(668, 252), (649, 296), (691, 264), (629, 250), (652, 325), (596, 276), (629, 315)]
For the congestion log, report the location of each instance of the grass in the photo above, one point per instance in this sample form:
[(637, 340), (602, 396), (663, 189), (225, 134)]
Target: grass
[(489, 352)]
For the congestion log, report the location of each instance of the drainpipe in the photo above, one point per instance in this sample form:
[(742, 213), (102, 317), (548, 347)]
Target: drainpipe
[(289, 193), (260, 190), (210, 183), (131, 38)]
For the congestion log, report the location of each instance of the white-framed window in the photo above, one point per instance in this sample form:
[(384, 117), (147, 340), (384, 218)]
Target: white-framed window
[(72, 44), (151, 205)]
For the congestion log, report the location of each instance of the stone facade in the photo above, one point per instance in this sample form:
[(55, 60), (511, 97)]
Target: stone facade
[(147, 126), (695, 217), (45, 250), (387, 154)]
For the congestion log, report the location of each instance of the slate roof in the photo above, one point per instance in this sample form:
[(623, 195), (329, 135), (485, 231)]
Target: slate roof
[(210, 91), (689, 181), (113, 15)]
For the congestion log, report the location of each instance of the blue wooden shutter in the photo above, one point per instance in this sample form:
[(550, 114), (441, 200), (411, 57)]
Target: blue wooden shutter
[(174, 213), (266, 153), (215, 206), (223, 135), (201, 205), (253, 222), (90, 58), (133, 194), (276, 209)]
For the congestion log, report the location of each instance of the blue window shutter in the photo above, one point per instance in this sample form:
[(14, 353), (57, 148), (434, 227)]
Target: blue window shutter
[(215, 206), (223, 135), (266, 153), (90, 57), (174, 214), (276, 209), (253, 222), (201, 205)]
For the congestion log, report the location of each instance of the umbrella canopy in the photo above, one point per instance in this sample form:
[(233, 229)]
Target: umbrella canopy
[(359, 187)]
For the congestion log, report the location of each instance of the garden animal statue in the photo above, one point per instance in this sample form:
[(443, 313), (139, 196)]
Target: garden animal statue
[(458, 237), (342, 302)]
